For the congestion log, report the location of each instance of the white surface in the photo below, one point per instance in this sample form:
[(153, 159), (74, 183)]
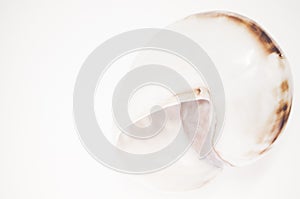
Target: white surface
[(43, 45)]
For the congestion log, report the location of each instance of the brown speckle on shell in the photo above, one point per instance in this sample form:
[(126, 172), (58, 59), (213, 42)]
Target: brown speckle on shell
[(282, 115), (197, 91), (264, 151), (267, 42), (284, 86)]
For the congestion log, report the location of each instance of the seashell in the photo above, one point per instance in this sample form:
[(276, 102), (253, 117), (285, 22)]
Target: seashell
[(256, 78), (258, 87)]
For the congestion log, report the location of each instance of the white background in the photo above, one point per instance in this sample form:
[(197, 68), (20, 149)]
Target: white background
[(42, 46)]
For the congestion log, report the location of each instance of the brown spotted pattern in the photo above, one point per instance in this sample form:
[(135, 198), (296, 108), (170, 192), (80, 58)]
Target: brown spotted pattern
[(264, 39)]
